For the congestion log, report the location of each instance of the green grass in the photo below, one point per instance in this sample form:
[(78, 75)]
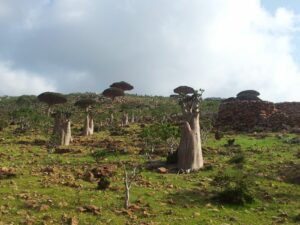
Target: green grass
[(159, 198)]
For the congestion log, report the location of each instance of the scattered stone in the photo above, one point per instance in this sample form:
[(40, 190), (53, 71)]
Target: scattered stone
[(89, 176), (90, 208), (44, 208), (6, 173), (49, 169), (31, 204), (73, 221), (162, 170), (106, 170)]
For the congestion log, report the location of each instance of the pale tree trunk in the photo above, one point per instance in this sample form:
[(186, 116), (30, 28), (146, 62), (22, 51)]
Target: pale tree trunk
[(111, 119), (62, 129), (125, 119), (88, 128), (132, 118), (66, 135), (190, 152), (127, 182), (49, 110)]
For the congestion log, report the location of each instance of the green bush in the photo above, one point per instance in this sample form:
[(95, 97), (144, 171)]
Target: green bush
[(3, 124), (159, 131), (238, 159), (234, 188), (103, 183)]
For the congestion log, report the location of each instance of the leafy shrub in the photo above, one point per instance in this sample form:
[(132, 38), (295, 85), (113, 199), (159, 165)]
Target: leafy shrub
[(157, 134), (234, 188), (160, 131), (103, 183), (3, 124), (238, 159), (28, 118), (100, 154)]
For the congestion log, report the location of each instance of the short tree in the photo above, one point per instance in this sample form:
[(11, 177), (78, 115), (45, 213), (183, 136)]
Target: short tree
[(62, 123), (86, 104), (190, 152)]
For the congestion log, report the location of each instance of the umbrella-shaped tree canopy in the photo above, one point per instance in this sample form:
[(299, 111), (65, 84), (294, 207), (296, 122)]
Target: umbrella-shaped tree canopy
[(52, 98), (122, 85), (184, 90), (248, 92), (85, 102), (113, 92), (248, 95)]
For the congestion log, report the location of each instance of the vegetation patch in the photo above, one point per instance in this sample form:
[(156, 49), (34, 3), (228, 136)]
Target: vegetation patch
[(234, 188)]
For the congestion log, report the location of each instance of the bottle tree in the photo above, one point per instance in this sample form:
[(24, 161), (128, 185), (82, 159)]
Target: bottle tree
[(190, 156)]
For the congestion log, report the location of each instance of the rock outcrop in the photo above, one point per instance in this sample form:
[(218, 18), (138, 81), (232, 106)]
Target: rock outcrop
[(247, 112)]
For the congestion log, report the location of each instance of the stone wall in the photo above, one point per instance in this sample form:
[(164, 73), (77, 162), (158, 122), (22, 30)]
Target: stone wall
[(292, 111), (246, 115)]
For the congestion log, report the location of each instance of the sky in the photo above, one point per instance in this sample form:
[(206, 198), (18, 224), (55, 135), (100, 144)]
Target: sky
[(221, 46)]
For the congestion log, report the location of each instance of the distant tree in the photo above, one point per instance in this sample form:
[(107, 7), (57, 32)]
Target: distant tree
[(86, 103), (118, 89), (51, 98), (62, 122)]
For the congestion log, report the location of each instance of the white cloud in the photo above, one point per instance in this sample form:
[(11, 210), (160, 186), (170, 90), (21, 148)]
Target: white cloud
[(221, 46), (19, 82)]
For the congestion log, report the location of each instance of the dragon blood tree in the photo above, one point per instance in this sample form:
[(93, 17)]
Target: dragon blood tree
[(118, 89), (62, 123), (51, 98), (189, 151), (113, 92), (86, 104), (125, 87), (62, 128)]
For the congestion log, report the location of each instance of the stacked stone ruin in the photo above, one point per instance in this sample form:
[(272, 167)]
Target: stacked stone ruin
[(247, 112)]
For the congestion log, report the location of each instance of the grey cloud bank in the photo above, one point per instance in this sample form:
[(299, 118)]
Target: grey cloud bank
[(79, 45)]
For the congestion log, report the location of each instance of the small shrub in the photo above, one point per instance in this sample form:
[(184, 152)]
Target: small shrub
[(219, 135), (3, 125), (297, 218), (234, 189), (238, 159), (101, 154), (230, 142), (103, 183)]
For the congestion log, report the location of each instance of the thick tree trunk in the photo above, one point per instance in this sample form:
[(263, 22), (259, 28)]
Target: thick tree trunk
[(125, 119), (66, 136), (49, 110), (88, 128), (132, 118), (57, 125), (111, 119), (62, 130), (190, 152)]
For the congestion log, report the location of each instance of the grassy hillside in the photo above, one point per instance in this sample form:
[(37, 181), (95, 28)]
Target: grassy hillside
[(44, 184)]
